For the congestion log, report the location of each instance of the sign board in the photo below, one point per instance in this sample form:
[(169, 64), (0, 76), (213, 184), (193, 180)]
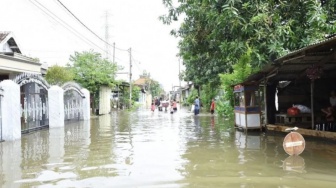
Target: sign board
[(294, 143)]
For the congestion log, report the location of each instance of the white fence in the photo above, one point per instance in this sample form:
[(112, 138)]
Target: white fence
[(18, 116)]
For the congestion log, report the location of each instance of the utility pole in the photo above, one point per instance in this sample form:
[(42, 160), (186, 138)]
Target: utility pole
[(114, 52), (130, 78), (107, 34), (180, 82)]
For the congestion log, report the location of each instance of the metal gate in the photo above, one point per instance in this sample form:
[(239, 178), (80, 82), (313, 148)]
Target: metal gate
[(34, 102), (34, 105), (73, 101)]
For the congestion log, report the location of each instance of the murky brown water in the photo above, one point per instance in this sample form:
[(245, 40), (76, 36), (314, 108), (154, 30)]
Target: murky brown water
[(142, 149)]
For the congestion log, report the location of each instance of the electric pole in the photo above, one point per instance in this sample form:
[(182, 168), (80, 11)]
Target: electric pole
[(107, 34), (180, 82), (114, 52), (130, 78)]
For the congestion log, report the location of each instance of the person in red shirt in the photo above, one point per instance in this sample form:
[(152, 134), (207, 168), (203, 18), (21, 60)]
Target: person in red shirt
[(212, 106), (174, 105)]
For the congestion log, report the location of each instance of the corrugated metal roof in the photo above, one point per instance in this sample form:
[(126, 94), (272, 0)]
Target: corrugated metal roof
[(293, 65), (318, 43)]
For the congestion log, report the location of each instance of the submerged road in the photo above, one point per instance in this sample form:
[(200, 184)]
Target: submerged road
[(146, 149)]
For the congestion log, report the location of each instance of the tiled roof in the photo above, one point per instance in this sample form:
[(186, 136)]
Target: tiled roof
[(3, 35), (141, 81)]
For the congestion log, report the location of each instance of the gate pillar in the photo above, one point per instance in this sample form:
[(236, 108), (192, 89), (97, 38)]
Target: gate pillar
[(86, 104), (11, 111), (56, 107)]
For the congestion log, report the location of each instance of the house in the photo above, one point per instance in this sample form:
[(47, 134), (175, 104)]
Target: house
[(12, 62), (145, 97), (186, 91)]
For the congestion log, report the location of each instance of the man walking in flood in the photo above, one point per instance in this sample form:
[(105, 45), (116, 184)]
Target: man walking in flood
[(197, 106), (212, 106)]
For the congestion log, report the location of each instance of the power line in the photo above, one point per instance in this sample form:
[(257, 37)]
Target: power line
[(87, 26), (64, 24), (74, 31), (81, 21)]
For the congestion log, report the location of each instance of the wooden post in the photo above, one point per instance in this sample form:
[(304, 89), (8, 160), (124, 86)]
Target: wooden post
[(265, 100), (312, 102)]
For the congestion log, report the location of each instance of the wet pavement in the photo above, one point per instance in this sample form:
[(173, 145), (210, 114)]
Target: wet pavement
[(145, 149)]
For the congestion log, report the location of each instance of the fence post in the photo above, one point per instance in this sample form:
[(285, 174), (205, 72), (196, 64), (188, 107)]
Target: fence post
[(86, 104), (11, 110), (56, 106)]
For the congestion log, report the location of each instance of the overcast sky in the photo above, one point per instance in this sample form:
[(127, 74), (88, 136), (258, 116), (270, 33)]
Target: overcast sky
[(44, 29)]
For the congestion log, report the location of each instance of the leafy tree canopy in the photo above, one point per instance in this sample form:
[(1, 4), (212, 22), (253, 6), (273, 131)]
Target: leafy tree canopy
[(92, 71), (154, 87), (57, 75), (214, 33)]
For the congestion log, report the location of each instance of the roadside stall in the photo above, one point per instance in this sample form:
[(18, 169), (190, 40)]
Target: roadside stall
[(297, 89), (246, 106)]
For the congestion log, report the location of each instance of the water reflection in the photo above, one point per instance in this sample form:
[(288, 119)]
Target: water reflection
[(145, 149), (10, 168), (294, 164)]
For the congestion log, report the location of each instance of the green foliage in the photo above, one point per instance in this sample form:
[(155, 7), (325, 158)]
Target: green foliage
[(208, 92), (241, 70), (92, 71), (57, 75), (214, 33), (154, 87), (223, 106), (192, 96), (135, 95)]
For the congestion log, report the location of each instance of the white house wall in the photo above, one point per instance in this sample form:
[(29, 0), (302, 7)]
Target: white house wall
[(10, 64), (5, 47)]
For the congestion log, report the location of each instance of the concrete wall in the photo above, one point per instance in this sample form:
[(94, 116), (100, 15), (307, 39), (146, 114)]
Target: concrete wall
[(56, 106), (104, 100), (11, 110)]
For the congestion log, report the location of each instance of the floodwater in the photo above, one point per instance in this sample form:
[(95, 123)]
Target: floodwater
[(145, 149)]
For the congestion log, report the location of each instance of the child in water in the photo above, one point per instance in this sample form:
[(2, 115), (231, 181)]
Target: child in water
[(153, 107), (171, 110)]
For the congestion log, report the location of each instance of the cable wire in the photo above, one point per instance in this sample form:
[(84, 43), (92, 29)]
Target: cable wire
[(65, 25), (87, 26)]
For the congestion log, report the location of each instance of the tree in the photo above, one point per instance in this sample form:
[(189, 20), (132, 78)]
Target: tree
[(214, 33), (240, 72), (92, 71), (57, 75), (135, 95), (154, 87)]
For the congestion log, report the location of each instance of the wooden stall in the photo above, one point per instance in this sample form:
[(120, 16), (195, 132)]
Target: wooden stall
[(303, 77), (247, 106)]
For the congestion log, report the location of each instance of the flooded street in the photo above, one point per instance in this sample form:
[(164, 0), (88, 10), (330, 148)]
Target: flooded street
[(145, 149)]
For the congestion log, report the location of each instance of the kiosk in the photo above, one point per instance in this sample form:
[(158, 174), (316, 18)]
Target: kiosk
[(247, 106)]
